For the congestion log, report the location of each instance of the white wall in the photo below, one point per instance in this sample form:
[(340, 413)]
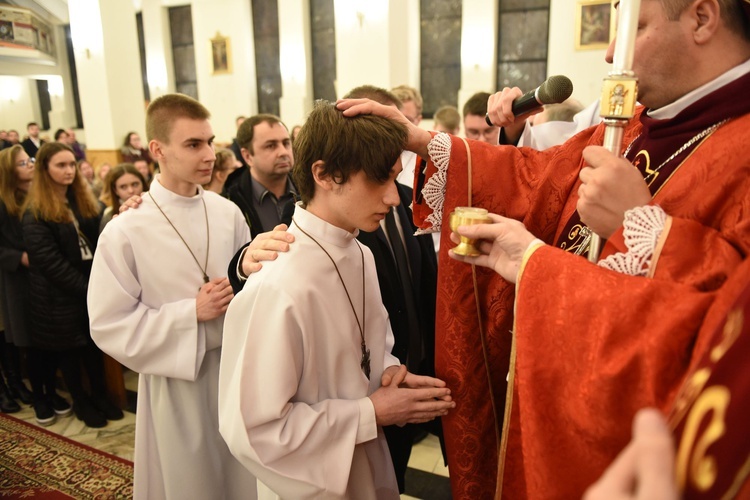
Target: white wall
[(19, 103), (478, 48), (404, 48), (105, 43), (295, 54), (585, 68), (225, 95)]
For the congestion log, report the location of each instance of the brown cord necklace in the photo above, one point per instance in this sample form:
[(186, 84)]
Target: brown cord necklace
[(365, 363), (204, 268)]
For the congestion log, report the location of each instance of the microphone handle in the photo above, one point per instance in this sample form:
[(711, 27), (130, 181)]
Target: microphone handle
[(526, 103)]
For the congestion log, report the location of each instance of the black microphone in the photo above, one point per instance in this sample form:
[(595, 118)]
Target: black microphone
[(554, 90)]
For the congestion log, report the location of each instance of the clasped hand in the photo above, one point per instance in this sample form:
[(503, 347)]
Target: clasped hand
[(213, 299), (405, 398)]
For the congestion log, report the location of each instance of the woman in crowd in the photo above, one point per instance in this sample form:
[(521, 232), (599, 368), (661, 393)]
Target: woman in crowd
[(100, 173), (132, 149), (16, 172), (295, 132), (145, 169), (225, 164), (87, 171), (60, 229), (121, 183)]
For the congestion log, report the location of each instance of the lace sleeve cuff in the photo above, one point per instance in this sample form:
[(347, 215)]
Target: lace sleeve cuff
[(433, 192), (641, 230)]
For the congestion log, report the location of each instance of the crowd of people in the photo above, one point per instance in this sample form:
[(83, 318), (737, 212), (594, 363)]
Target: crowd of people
[(282, 304)]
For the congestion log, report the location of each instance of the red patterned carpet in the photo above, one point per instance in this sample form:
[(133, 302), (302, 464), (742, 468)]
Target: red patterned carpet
[(35, 463)]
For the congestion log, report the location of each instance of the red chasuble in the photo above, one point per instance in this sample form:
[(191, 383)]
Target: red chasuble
[(590, 346), (711, 414)]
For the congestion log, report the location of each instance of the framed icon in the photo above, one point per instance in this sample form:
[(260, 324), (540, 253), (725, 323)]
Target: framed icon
[(221, 55), (594, 24)]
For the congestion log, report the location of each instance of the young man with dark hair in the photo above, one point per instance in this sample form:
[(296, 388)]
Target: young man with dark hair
[(157, 298), (302, 408), (407, 276), (32, 143), (475, 126)]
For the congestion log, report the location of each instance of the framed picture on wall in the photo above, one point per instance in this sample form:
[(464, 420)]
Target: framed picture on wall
[(221, 55), (594, 24)]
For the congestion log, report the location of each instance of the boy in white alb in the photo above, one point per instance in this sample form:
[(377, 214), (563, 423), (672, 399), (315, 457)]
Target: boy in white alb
[(157, 298), (307, 378)]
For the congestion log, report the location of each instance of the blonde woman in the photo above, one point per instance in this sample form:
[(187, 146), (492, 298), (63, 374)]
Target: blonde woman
[(16, 172), (60, 229), (225, 164)]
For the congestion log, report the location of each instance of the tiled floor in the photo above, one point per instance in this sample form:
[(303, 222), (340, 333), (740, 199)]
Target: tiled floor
[(118, 438)]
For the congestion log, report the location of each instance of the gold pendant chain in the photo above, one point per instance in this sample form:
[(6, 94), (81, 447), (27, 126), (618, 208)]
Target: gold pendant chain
[(697, 137), (203, 269), (365, 363)]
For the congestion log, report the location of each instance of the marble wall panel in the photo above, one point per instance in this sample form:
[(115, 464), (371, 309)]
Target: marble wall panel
[(523, 35), (440, 47), (183, 50), (525, 75), (506, 5), (267, 62), (323, 36)]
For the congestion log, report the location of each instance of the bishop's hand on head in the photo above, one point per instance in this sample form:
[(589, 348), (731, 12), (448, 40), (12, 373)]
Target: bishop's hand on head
[(418, 137)]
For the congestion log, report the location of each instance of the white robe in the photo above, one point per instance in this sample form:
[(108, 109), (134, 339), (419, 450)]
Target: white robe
[(293, 403), (142, 310), (548, 134)]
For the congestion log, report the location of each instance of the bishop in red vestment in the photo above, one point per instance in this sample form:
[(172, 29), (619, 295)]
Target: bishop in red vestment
[(585, 346)]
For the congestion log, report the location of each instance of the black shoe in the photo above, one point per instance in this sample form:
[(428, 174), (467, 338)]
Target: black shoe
[(59, 404), (87, 412), (8, 404), (19, 391), (43, 412), (111, 412)]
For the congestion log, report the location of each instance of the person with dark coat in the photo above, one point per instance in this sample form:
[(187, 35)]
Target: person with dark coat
[(32, 143), (16, 172), (132, 149), (264, 191), (60, 230)]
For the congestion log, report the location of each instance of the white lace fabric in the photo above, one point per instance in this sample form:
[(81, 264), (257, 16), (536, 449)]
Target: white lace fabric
[(433, 191), (641, 230)]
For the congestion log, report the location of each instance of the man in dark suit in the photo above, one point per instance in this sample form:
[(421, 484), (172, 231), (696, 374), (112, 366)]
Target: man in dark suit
[(264, 190), (32, 143), (412, 319)]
